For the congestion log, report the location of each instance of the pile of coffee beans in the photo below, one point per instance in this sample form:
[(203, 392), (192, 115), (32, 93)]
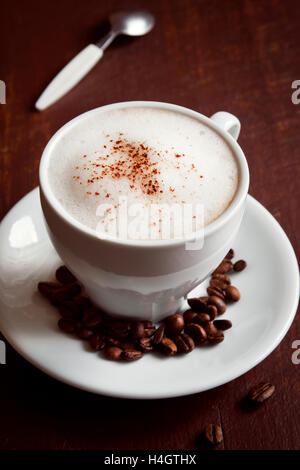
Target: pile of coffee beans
[(129, 340), (179, 333)]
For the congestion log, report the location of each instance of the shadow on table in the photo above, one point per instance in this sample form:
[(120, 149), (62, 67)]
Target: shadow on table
[(89, 421)]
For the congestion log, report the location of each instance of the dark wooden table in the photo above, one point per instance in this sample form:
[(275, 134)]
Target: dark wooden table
[(236, 55)]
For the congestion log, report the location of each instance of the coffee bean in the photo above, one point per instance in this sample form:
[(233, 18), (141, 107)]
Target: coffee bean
[(84, 333), (204, 298), (210, 329), (48, 288), (222, 324), (97, 342), (112, 341), (213, 434), (168, 347), (261, 392), (232, 293), (66, 325), (148, 332), (214, 336), (197, 304), (127, 345), (201, 318), (218, 302), (189, 316), (174, 324), (131, 355), (239, 265), (69, 309), (223, 278), (224, 267), (145, 344), (118, 329), (212, 311), (230, 254), (82, 302), (184, 343), (66, 292), (217, 338), (196, 331), (217, 283), (113, 353), (65, 276), (159, 334), (137, 330), (216, 291), (220, 281), (91, 317)]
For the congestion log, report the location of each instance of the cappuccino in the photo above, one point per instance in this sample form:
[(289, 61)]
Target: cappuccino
[(142, 161)]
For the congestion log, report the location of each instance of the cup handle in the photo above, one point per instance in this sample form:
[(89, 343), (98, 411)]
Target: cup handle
[(228, 122)]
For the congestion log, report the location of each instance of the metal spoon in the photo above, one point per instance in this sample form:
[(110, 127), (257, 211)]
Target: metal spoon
[(132, 22)]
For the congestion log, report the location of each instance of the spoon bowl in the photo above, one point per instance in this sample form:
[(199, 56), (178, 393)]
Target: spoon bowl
[(132, 22)]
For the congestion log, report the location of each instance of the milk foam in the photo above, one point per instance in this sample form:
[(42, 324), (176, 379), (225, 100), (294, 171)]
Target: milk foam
[(148, 155)]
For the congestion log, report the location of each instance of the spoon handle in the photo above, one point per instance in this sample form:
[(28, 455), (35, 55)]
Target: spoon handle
[(69, 76)]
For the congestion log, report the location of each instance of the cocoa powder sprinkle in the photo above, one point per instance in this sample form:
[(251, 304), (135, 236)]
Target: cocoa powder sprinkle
[(134, 164)]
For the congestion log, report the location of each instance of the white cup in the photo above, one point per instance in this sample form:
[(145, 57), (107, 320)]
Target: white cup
[(145, 279)]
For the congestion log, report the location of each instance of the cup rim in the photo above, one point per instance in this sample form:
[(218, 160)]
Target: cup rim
[(211, 228)]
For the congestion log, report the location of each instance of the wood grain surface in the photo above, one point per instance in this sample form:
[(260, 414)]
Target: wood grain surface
[(236, 55)]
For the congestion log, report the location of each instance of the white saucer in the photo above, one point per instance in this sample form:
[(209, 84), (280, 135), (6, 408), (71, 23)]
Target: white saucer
[(269, 287)]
